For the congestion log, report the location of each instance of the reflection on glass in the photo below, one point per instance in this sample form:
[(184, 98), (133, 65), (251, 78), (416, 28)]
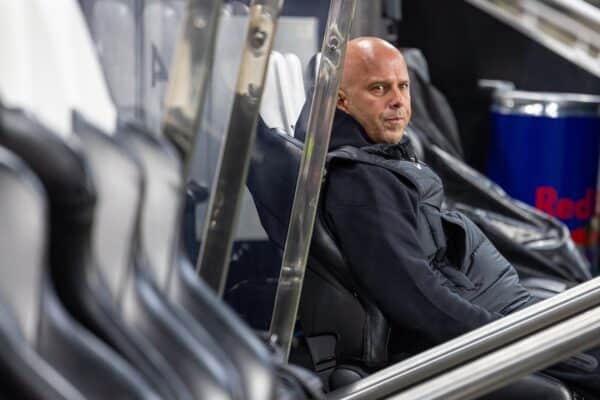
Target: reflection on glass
[(161, 24), (224, 204), (113, 27), (217, 108), (135, 40)]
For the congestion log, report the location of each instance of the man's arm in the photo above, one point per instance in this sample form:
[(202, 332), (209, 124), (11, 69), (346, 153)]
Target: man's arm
[(373, 216)]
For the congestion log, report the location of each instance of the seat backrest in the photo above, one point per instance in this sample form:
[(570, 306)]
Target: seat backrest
[(241, 344), (431, 112), (162, 191), (118, 180), (23, 246), (361, 337), (197, 357)]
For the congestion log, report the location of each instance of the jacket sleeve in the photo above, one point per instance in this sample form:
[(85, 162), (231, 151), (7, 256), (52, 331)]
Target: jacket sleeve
[(373, 216)]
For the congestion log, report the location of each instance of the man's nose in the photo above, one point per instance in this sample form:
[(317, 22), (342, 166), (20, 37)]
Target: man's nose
[(396, 99)]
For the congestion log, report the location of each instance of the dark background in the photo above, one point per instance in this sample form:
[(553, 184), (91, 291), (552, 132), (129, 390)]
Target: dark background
[(463, 44)]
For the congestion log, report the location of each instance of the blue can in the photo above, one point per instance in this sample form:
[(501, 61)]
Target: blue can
[(544, 151)]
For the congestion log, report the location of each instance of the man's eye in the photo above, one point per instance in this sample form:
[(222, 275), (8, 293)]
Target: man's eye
[(378, 88), (404, 85)]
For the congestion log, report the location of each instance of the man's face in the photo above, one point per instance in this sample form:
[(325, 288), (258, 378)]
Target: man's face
[(375, 91)]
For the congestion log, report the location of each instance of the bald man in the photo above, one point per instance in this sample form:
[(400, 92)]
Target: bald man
[(375, 89), (432, 272)]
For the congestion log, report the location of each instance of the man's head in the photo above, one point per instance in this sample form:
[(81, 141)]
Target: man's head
[(375, 89)]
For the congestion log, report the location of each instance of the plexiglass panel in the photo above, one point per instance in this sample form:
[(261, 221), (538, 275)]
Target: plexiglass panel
[(136, 39), (113, 25), (161, 23)]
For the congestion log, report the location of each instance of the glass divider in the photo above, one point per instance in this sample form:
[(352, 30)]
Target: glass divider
[(230, 178), (190, 71)]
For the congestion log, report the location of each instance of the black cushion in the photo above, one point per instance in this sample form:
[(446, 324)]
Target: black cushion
[(535, 386), (360, 325)]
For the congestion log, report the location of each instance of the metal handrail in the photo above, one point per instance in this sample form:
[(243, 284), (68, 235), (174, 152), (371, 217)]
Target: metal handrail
[(504, 366), (223, 209), (581, 8), (308, 186), (565, 21), (581, 54), (473, 344)]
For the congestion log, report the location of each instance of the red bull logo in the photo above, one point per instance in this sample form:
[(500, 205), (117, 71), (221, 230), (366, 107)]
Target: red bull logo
[(581, 210), (547, 200)]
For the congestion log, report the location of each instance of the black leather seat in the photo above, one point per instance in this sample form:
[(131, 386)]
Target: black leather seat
[(261, 376), (80, 357), (534, 386), (250, 356), (349, 337), (264, 372), (196, 356), (23, 372), (23, 212), (118, 180), (275, 163)]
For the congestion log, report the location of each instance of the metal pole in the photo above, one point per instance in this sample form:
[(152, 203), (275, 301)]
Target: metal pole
[(190, 70), (473, 344), (308, 186), (213, 263), (504, 366)]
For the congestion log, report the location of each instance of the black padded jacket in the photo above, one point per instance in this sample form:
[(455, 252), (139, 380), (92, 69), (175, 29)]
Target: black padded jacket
[(432, 272)]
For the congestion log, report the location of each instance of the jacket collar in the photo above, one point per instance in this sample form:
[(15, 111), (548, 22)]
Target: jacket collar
[(347, 131)]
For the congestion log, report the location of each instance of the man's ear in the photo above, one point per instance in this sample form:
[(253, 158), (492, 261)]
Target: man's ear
[(342, 101)]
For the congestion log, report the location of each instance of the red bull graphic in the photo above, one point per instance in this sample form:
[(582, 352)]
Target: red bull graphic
[(582, 211), (552, 164)]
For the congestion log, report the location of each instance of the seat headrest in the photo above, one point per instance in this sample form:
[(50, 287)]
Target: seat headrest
[(415, 60), (283, 94)]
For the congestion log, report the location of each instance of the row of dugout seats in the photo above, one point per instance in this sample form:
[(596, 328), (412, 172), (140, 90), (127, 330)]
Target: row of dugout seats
[(97, 300)]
